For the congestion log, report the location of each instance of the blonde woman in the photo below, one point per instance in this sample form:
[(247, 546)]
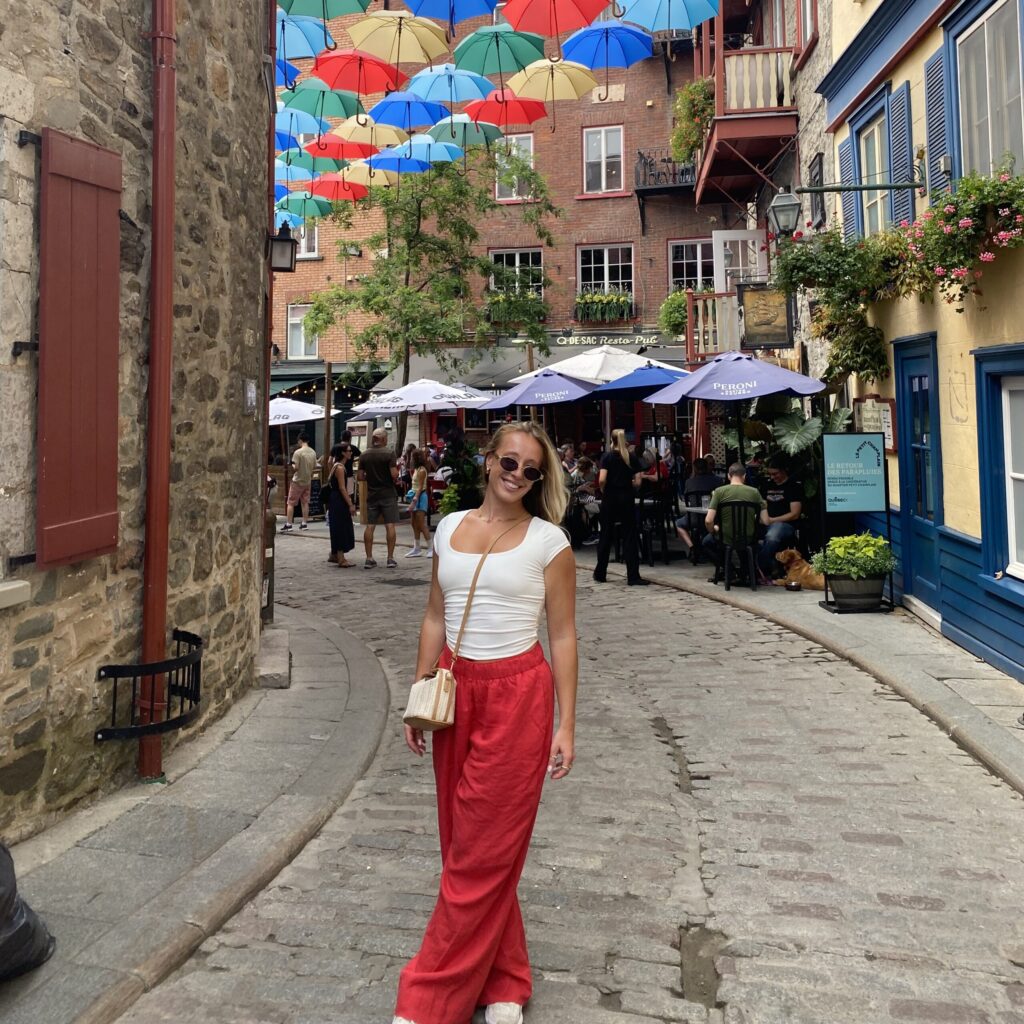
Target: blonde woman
[(418, 498), (490, 766), (619, 480)]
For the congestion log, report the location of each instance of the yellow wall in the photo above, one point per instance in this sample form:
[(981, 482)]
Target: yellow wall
[(848, 18)]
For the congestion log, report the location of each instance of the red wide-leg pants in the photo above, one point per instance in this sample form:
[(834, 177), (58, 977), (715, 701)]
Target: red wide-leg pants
[(490, 768)]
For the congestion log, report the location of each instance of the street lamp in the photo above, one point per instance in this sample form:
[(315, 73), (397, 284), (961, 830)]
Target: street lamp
[(282, 249), (784, 213)]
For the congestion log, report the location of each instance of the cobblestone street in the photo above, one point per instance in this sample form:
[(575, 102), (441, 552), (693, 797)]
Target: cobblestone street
[(756, 832)]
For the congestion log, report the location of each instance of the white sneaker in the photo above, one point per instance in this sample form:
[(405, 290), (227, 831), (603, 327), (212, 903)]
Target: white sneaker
[(402, 1020), (429, 552), (414, 553), (504, 1013)]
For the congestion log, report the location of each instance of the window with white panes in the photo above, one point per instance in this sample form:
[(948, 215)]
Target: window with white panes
[(301, 345), (602, 159), (691, 264), (524, 270), (989, 86), (1013, 455), (606, 269), (307, 238), (522, 146), (874, 167)]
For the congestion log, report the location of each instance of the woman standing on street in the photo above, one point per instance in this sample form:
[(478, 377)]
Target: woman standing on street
[(619, 479), (491, 764), (340, 507), (418, 505)]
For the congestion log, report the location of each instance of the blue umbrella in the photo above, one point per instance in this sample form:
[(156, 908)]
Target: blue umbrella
[(291, 173), (546, 388), (282, 140), (286, 74), (302, 37), (298, 122), (451, 11), (395, 159), (406, 110), (447, 82), (666, 15), (280, 191), (293, 220), (424, 147), (639, 383), (608, 44)]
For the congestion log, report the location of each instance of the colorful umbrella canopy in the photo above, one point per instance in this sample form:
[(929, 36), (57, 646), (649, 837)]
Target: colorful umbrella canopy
[(548, 80), (406, 110), (282, 140), (546, 388), (734, 376), (424, 395), (451, 12), (315, 164), (365, 129), (448, 83), (304, 206), (551, 17), (293, 220), (298, 122), (425, 147), (504, 108), (286, 73), (280, 191), (462, 130), (608, 44), (666, 15), (639, 383), (301, 37), (319, 99), (360, 173), (399, 37), (395, 160), (356, 70), (498, 49), (336, 148), (291, 174), (337, 189), (323, 9)]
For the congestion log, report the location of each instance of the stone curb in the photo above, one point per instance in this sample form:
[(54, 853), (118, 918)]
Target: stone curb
[(140, 951), (973, 730)]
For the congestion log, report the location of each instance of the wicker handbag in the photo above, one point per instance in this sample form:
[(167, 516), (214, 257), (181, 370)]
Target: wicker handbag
[(432, 699)]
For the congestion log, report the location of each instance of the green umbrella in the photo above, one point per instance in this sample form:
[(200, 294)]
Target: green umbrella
[(323, 9), (464, 132), (495, 49), (320, 100), (316, 164), (305, 206)]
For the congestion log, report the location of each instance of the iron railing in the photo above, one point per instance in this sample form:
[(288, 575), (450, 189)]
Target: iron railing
[(655, 168)]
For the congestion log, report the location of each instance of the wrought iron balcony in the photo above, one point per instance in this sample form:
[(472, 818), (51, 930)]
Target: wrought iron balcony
[(657, 174)]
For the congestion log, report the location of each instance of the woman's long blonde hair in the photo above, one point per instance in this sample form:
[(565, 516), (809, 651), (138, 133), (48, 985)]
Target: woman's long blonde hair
[(619, 444), (547, 498)]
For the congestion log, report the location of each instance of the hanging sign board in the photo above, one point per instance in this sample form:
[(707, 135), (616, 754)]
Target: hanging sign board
[(874, 414), (766, 316), (855, 472)]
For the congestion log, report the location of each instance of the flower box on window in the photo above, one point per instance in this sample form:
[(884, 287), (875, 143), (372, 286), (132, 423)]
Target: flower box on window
[(505, 309), (604, 307)]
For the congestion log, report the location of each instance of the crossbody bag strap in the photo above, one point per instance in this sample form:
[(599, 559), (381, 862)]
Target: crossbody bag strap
[(472, 586)]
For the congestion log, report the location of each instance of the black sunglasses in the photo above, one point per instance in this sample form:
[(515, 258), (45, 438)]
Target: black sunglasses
[(531, 473)]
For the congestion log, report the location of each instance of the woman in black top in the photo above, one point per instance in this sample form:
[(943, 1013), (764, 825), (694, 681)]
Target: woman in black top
[(619, 479), (340, 506)]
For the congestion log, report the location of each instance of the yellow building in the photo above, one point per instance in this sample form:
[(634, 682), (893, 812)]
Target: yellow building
[(944, 77)]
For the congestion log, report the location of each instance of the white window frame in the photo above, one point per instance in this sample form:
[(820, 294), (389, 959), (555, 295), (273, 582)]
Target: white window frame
[(993, 159), (703, 257), (514, 142), (604, 130), (296, 315), (308, 236), (537, 287), (874, 201), (606, 286), (1015, 563), (806, 14)]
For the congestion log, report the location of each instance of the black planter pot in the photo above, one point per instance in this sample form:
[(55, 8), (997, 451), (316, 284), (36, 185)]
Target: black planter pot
[(857, 595)]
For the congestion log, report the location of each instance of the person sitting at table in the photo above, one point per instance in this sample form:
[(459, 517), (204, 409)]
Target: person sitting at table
[(784, 497), (701, 483), (735, 490), (713, 469)]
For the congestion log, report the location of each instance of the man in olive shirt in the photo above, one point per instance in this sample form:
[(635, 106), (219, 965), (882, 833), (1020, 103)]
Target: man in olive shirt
[(378, 467), (303, 468), (734, 490)]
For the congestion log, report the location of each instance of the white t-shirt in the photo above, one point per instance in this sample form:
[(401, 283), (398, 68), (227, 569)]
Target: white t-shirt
[(509, 594)]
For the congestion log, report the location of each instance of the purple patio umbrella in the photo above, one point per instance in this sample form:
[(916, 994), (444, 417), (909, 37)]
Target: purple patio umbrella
[(546, 388), (639, 383)]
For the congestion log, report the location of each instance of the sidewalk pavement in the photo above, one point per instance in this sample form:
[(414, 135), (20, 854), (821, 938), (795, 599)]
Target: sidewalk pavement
[(134, 884), (975, 704)]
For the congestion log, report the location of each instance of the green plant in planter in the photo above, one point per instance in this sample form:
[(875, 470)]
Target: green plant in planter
[(604, 306), (857, 556), (693, 112), (449, 500), (672, 315)]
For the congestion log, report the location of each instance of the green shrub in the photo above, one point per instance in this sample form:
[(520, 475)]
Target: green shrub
[(856, 555), (672, 316)]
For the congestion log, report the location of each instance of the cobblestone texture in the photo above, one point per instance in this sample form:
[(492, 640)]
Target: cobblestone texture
[(858, 865)]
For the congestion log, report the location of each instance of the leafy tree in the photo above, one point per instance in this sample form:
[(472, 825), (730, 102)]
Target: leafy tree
[(430, 287)]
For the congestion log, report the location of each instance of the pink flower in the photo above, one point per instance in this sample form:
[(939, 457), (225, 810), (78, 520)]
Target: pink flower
[(977, 275), (948, 229), (966, 222), (1019, 219), (987, 257), (904, 223), (949, 208), (928, 214), (1004, 177), (1004, 211), (959, 273), (940, 271)]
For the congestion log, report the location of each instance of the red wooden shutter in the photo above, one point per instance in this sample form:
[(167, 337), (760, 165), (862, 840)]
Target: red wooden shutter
[(79, 296)]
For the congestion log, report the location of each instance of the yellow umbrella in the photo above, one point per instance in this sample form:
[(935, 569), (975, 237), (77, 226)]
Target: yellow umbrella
[(361, 173), (399, 37), (549, 80), (360, 128)]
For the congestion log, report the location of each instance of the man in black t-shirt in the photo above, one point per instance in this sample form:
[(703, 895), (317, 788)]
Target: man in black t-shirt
[(784, 496)]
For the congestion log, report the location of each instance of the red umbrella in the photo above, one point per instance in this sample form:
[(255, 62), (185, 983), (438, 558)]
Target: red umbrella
[(357, 71), (337, 148), (337, 189), (551, 17), (503, 108)]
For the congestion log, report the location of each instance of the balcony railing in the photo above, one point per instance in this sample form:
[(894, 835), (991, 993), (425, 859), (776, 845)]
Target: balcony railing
[(712, 324), (754, 80), (655, 168)]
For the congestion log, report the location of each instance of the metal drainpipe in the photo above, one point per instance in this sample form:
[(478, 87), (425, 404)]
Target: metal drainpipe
[(161, 344)]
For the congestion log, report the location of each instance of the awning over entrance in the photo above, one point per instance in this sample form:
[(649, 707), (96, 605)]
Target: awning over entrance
[(279, 384)]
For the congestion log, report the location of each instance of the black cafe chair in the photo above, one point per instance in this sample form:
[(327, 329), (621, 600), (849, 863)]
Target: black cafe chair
[(737, 533), (697, 499)]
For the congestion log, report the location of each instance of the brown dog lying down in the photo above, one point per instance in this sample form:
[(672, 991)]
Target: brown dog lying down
[(799, 569)]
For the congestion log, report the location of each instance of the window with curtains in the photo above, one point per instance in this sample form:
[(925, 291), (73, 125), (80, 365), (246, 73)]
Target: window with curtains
[(691, 264), (1013, 454), (300, 344), (522, 146), (872, 147), (989, 90), (606, 268), (307, 237), (602, 159)]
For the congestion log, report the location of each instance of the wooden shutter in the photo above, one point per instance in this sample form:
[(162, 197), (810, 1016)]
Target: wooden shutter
[(936, 120), (79, 296), (849, 199), (901, 153)]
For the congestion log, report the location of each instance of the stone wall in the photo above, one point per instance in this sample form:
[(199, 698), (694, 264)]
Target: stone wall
[(83, 67)]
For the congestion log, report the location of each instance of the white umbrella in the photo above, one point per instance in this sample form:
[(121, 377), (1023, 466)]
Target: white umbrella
[(424, 395), (286, 410), (602, 364)]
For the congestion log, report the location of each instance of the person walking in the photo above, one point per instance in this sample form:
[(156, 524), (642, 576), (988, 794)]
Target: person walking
[(379, 469), (490, 765), (418, 505), (340, 506), (303, 468), (619, 479)]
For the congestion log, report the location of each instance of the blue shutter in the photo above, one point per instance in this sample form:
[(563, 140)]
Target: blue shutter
[(936, 120), (849, 199), (901, 154)]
